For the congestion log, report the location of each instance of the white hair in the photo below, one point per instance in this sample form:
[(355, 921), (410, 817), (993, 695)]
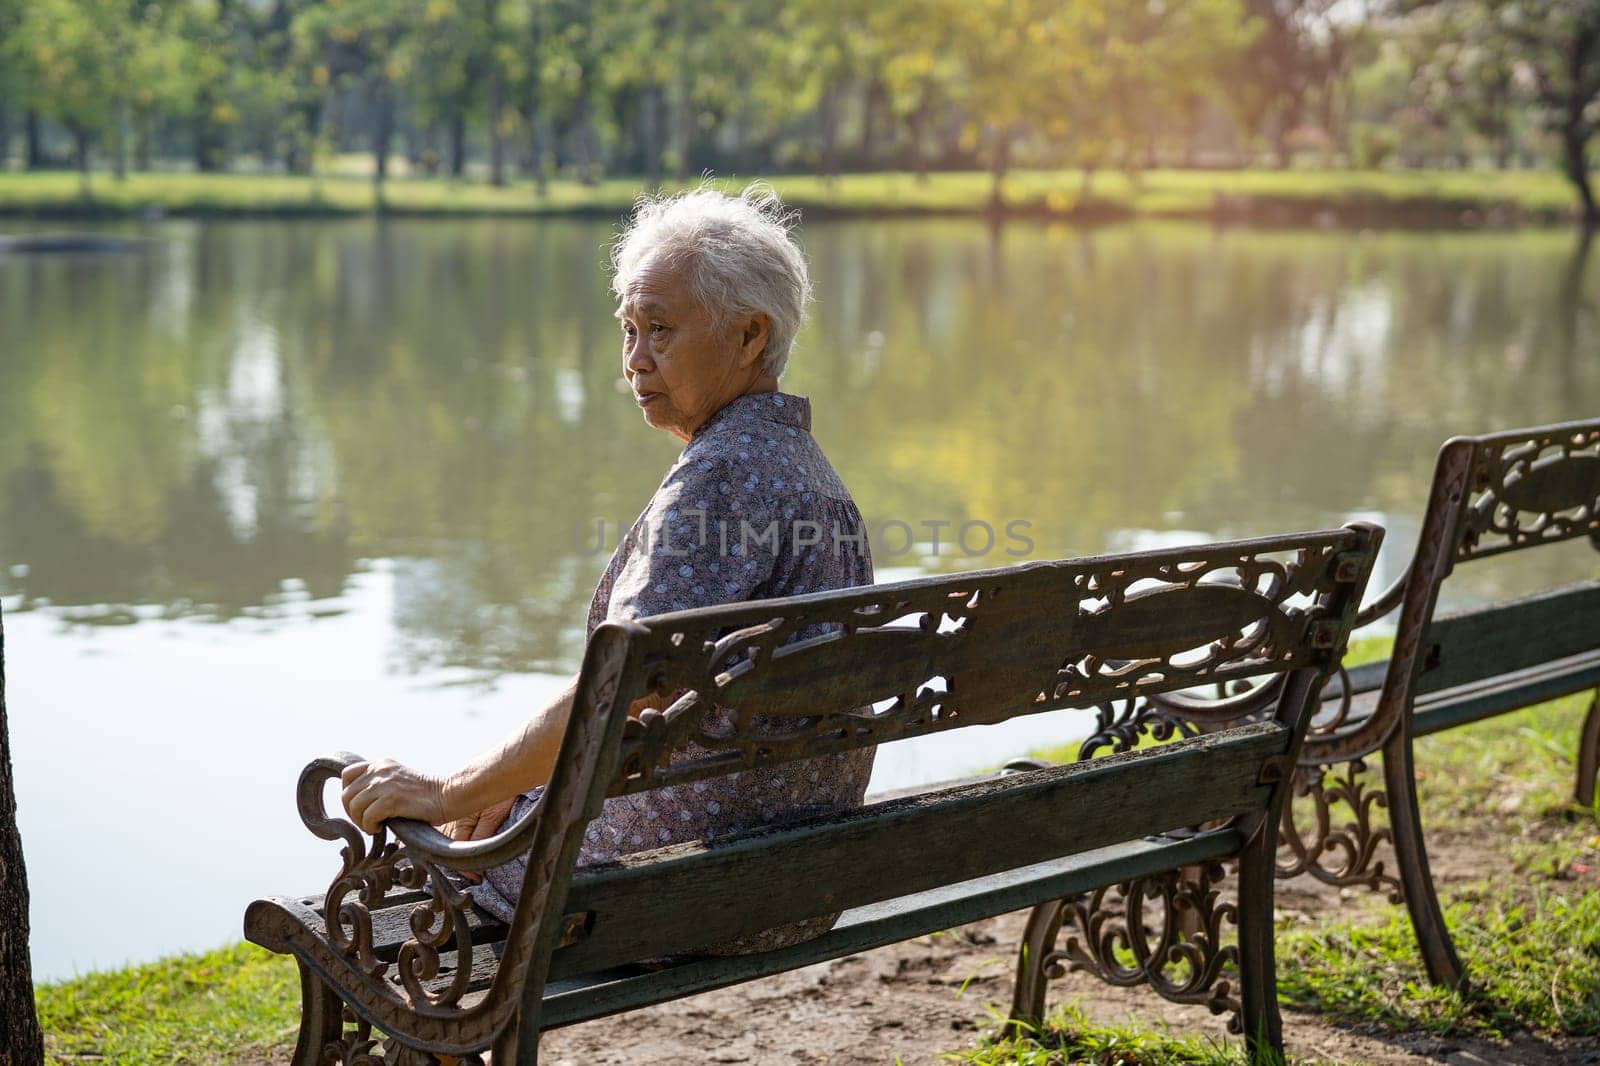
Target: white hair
[(737, 255)]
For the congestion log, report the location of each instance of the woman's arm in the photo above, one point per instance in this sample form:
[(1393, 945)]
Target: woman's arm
[(383, 788)]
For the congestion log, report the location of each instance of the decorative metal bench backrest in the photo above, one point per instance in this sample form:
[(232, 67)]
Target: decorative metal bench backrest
[(1492, 494), (774, 681)]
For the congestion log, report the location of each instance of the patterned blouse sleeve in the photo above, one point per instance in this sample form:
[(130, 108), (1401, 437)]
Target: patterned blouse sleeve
[(699, 542)]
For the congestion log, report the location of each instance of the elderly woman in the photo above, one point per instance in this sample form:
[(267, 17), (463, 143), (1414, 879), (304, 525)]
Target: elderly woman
[(711, 291)]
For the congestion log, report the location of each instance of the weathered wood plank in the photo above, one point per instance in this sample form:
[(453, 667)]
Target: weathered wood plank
[(595, 995), (1505, 638), (1507, 692), (682, 898), (391, 927)]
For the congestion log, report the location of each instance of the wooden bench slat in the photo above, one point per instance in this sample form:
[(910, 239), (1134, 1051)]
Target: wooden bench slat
[(1471, 703), (391, 927), (595, 995), (682, 898), (1485, 642)]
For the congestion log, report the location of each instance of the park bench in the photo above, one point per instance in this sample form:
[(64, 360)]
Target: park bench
[(1491, 495), (396, 964)]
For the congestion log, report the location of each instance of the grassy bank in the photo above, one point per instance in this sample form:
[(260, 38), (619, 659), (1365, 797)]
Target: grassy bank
[(224, 1006), (1528, 926), (1296, 197)]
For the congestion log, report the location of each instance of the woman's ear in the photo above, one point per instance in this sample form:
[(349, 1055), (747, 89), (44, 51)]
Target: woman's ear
[(753, 337)]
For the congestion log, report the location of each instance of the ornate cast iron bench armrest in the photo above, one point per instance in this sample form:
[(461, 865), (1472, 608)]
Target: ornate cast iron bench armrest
[(422, 841)]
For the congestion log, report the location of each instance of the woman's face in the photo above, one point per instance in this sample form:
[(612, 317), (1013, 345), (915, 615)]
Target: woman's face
[(682, 369)]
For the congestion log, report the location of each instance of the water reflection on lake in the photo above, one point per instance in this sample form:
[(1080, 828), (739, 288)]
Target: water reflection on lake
[(275, 489)]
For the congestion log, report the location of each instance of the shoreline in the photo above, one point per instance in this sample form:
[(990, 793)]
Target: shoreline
[(1291, 199)]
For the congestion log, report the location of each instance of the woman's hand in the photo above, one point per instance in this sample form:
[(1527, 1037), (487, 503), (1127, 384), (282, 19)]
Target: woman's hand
[(382, 789), (479, 826)]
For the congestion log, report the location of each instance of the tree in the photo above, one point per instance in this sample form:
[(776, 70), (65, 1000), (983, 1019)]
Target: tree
[(370, 43), (21, 1043), (1560, 42), (10, 85), (1020, 58), (1298, 48), (454, 54), (1151, 64), (920, 71), (74, 62), (1554, 45)]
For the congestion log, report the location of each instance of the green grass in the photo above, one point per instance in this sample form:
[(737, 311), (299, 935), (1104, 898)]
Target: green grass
[(1295, 196), (1528, 929), (1534, 954), (219, 1006), (1068, 1037)]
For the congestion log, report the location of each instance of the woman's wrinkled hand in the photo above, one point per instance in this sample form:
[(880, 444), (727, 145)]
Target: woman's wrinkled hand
[(486, 823), (382, 789)]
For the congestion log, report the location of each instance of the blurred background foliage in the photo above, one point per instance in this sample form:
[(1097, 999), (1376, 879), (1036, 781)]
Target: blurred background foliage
[(501, 89)]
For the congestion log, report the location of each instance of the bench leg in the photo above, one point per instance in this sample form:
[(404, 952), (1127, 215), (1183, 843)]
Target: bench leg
[(1405, 820), (1588, 754), (518, 1042), (1258, 977), (1038, 941), (321, 1019)]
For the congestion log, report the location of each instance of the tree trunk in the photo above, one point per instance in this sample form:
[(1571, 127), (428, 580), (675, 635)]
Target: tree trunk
[(208, 144), (536, 142), (683, 132), (141, 142), (5, 137), (300, 156), (1281, 152), (536, 152), (497, 141), (382, 131), (1575, 162), (874, 101), (119, 141), (80, 141), (999, 163), (919, 135), (650, 116), (458, 142), (35, 141), (828, 133), (583, 154), (21, 1043)]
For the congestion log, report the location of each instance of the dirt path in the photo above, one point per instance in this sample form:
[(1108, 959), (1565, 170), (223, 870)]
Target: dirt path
[(915, 1001)]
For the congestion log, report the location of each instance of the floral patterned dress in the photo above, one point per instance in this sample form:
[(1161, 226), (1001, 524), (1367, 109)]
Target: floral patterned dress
[(705, 538)]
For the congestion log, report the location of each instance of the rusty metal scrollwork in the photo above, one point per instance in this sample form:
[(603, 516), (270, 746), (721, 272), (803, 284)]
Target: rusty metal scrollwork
[(1344, 855), (356, 1045), (1166, 931), (1532, 488), (397, 1054), (371, 872), (1121, 724), (403, 1000), (359, 1045), (736, 689)]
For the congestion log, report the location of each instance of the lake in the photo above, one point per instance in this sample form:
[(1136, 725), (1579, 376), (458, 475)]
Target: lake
[(274, 489)]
